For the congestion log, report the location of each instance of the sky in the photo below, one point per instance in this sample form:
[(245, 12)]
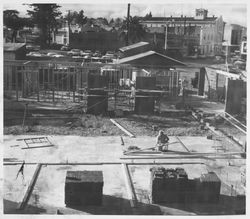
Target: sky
[(231, 12)]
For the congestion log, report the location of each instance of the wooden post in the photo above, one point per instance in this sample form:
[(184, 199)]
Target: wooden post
[(68, 80), (16, 80), (53, 86), (22, 83), (38, 86), (129, 185), (31, 186), (74, 84)]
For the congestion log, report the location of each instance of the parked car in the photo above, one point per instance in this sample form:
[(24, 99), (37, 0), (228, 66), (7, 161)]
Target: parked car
[(111, 54), (32, 47), (74, 52), (86, 53), (96, 59), (107, 58), (53, 54), (97, 53), (35, 54), (65, 48)]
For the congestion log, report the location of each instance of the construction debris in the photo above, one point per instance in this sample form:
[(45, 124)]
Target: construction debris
[(37, 142)]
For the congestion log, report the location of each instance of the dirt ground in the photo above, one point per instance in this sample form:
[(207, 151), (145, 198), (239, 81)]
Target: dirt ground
[(49, 119)]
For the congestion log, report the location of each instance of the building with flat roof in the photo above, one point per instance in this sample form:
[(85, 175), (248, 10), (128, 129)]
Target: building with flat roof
[(198, 35)]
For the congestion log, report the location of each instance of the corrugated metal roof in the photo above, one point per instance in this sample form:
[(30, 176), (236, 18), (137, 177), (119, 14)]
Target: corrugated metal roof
[(13, 46), (136, 45), (144, 54)]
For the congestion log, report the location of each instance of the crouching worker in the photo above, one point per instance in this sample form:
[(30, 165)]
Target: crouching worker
[(162, 141)]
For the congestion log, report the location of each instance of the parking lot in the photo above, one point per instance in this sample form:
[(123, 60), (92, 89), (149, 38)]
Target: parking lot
[(67, 53)]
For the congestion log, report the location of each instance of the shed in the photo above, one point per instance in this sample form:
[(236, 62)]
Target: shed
[(14, 51), (134, 49)]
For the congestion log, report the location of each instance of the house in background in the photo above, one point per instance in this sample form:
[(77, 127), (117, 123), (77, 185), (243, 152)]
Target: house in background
[(198, 35), (14, 51), (234, 35), (61, 36)]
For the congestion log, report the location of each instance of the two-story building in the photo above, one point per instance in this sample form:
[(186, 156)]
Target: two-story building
[(198, 35)]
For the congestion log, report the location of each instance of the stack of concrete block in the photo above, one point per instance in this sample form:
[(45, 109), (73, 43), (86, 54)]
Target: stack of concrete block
[(83, 188), (173, 186), (208, 188), (168, 185)]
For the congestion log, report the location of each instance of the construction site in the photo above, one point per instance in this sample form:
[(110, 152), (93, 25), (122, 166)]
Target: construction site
[(81, 139)]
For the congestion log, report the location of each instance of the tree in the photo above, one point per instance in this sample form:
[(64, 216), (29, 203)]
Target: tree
[(118, 22), (136, 31), (111, 22), (148, 16), (14, 22), (81, 19), (45, 16), (71, 17)]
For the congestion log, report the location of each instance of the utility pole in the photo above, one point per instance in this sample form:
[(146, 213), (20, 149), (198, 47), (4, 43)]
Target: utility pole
[(128, 15), (166, 36), (68, 26)]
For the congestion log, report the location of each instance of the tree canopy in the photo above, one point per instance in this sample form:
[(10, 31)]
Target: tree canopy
[(136, 31), (76, 18), (12, 20), (45, 16)]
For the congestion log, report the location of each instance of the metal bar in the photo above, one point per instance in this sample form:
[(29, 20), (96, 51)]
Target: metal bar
[(29, 191)]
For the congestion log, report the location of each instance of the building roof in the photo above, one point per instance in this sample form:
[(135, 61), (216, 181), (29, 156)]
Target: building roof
[(133, 46), (182, 18), (146, 54), (13, 46)]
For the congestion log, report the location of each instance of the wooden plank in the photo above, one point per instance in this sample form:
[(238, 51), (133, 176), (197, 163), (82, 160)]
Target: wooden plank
[(44, 146), (206, 156), (236, 126), (29, 191), (21, 139), (227, 114), (122, 128), (129, 185), (182, 144), (102, 163), (145, 149)]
